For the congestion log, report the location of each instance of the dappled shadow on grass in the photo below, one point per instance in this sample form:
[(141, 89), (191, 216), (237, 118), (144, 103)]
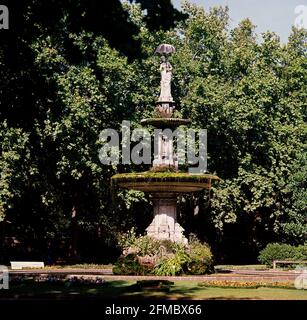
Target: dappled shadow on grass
[(35, 290), (108, 290), (174, 293), (126, 290), (179, 293)]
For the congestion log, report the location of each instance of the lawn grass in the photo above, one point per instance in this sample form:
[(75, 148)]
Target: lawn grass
[(127, 290), (257, 267)]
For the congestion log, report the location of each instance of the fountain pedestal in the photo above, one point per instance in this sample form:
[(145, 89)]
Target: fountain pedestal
[(164, 224)]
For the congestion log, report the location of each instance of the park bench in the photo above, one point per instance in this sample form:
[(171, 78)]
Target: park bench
[(18, 265), (275, 262)]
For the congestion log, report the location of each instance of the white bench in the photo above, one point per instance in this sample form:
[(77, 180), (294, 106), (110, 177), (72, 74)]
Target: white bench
[(275, 262), (18, 265)]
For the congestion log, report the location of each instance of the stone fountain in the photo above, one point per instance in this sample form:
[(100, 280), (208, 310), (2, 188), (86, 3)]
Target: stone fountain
[(164, 181)]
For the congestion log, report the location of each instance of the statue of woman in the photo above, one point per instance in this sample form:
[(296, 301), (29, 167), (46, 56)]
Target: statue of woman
[(166, 76)]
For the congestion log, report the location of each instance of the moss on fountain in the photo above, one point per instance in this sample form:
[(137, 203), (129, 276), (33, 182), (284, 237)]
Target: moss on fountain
[(165, 122), (163, 176), (149, 181)]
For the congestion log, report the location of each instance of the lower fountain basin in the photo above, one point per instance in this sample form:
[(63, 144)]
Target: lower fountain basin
[(160, 182)]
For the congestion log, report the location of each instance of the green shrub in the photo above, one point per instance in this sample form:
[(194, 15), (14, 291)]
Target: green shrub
[(167, 258), (301, 252), (129, 265), (200, 251), (127, 240), (281, 251), (167, 246), (147, 246), (201, 258), (168, 267), (197, 267), (142, 245), (174, 264)]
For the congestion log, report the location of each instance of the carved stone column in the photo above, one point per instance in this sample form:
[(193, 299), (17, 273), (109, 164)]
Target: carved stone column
[(164, 224), (165, 156)]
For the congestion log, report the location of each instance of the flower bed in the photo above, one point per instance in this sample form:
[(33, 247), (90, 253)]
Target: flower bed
[(63, 280), (246, 284)]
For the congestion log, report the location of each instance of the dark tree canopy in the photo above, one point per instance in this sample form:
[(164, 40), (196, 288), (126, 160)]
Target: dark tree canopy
[(160, 14)]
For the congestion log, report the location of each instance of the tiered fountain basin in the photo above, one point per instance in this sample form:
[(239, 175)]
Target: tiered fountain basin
[(160, 182), (165, 122)]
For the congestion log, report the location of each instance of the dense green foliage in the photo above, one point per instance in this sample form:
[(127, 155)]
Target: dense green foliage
[(282, 251), (65, 77), (129, 265), (144, 255), (201, 258)]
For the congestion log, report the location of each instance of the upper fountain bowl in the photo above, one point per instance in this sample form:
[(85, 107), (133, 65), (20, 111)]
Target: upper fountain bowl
[(165, 122)]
